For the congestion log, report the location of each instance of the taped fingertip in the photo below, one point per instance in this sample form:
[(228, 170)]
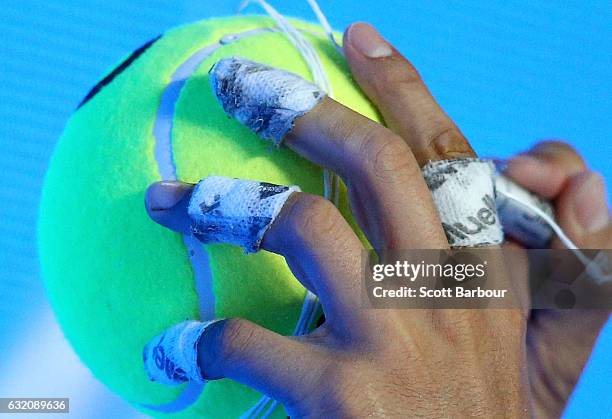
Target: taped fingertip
[(171, 358), (265, 99), (235, 211)]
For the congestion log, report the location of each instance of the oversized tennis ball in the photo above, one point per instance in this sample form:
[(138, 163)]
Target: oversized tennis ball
[(114, 277)]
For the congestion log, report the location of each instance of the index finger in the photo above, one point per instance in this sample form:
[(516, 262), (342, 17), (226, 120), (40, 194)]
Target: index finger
[(398, 91)]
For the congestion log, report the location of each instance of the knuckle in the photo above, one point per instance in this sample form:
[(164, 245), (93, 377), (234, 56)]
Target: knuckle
[(384, 154), (313, 217), (447, 141), (368, 146), (230, 339)]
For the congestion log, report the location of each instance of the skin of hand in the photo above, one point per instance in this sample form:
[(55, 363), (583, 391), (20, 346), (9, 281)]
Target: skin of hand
[(559, 342), (397, 363)]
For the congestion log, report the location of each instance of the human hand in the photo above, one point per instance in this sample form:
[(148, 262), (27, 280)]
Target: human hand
[(364, 362), (559, 342)]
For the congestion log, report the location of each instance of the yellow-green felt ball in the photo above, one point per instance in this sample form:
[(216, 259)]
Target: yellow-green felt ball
[(114, 277)]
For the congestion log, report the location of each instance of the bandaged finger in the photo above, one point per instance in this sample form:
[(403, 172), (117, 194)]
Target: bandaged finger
[(265, 99), (464, 194), (171, 358), (235, 211)]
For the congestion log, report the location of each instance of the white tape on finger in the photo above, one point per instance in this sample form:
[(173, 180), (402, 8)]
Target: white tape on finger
[(235, 211), (265, 99), (464, 194), (171, 358)]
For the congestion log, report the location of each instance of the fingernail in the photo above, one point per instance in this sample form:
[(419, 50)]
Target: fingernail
[(165, 195), (590, 206), (553, 147), (521, 162), (524, 159), (368, 41)]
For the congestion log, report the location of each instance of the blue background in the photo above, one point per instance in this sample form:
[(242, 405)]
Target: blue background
[(508, 72)]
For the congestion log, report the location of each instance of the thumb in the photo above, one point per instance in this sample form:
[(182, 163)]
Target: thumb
[(583, 213)]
